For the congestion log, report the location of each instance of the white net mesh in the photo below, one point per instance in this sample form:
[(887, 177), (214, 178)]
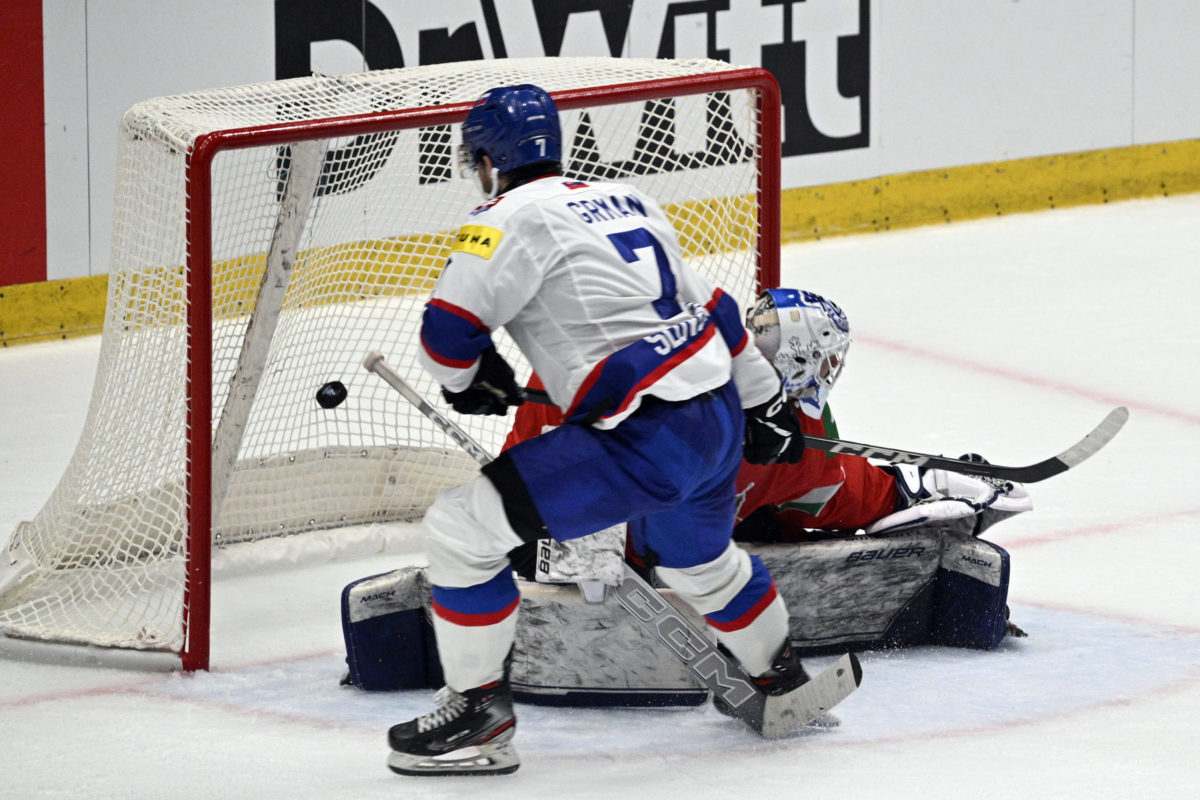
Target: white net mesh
[(103, 563)]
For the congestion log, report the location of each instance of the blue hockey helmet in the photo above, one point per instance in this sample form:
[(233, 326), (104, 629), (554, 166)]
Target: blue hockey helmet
[(806, 337), (514, 126)]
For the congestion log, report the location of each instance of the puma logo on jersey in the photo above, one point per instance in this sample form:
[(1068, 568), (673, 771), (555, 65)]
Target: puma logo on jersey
[(478, 240)]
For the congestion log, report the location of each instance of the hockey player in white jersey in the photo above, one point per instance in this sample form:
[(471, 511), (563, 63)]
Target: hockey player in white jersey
[(651, 364)]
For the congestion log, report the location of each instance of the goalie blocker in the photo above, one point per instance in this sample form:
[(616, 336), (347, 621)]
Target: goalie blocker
[(914, 587)]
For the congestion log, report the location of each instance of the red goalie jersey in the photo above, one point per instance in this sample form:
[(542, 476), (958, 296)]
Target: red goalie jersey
[(825, 491)]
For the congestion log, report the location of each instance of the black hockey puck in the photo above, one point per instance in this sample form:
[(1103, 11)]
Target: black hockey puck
[(331, 394)]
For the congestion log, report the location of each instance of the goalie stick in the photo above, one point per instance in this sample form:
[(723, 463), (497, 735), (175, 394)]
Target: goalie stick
[(1073, 456), (772, 716)]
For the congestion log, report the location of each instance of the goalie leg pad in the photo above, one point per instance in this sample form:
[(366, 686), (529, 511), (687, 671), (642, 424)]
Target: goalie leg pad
[(389, 639), (915, 587), (855, 592), (972, 593), (569, 652)]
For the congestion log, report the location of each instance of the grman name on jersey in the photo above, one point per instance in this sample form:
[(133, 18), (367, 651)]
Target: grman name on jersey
[(602, 209)]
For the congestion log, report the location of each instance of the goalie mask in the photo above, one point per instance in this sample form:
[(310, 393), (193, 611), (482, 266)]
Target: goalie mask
[(806, 337)]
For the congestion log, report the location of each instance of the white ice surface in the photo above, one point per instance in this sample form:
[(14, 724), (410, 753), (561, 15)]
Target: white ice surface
[(1011, 337)]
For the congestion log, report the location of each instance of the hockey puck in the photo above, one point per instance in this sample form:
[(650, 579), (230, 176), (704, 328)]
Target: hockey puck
[(331, 394)]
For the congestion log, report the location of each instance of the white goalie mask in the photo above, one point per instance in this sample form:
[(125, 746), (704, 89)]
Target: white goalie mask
[(806, 337)]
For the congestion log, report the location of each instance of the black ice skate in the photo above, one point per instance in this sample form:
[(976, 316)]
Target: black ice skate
[(786, 674), (468, 734)]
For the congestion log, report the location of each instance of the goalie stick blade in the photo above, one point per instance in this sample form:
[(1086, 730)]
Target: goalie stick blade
[(786, 713), (1087, 447)]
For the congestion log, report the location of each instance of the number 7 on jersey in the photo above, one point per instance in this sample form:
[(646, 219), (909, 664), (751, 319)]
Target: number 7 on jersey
[(628, 243)]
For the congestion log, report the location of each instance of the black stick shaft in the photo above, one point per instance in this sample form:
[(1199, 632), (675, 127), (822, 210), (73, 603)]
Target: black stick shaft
[(1073, 456)]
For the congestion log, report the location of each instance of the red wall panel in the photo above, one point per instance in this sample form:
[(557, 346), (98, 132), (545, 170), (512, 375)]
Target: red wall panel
[(23, 156)]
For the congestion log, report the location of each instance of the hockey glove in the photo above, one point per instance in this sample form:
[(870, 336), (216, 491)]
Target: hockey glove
[(761, 526), (773, 433), (493, 389), (937, 497)]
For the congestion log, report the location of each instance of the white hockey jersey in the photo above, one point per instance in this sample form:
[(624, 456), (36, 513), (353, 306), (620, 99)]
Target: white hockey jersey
[(589, 282)]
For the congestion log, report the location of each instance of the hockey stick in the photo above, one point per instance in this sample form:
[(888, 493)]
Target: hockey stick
[(771, 716), (1073, 456)]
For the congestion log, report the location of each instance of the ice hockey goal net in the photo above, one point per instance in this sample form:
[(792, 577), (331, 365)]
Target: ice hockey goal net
[(265, 238)]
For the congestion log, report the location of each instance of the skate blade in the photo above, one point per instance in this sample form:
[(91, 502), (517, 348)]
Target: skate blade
[(826, 720), (498, 759)]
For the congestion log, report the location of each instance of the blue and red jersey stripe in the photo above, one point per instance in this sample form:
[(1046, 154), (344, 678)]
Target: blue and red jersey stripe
[(618, 379), (728, 318), (484, 604), (746, 606), (452, 335)]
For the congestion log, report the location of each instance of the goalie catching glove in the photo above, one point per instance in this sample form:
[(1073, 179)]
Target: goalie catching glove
[(492, 390), (773, 433), (937, 497)]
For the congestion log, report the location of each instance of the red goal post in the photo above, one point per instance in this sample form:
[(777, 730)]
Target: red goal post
[(259, 318)]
